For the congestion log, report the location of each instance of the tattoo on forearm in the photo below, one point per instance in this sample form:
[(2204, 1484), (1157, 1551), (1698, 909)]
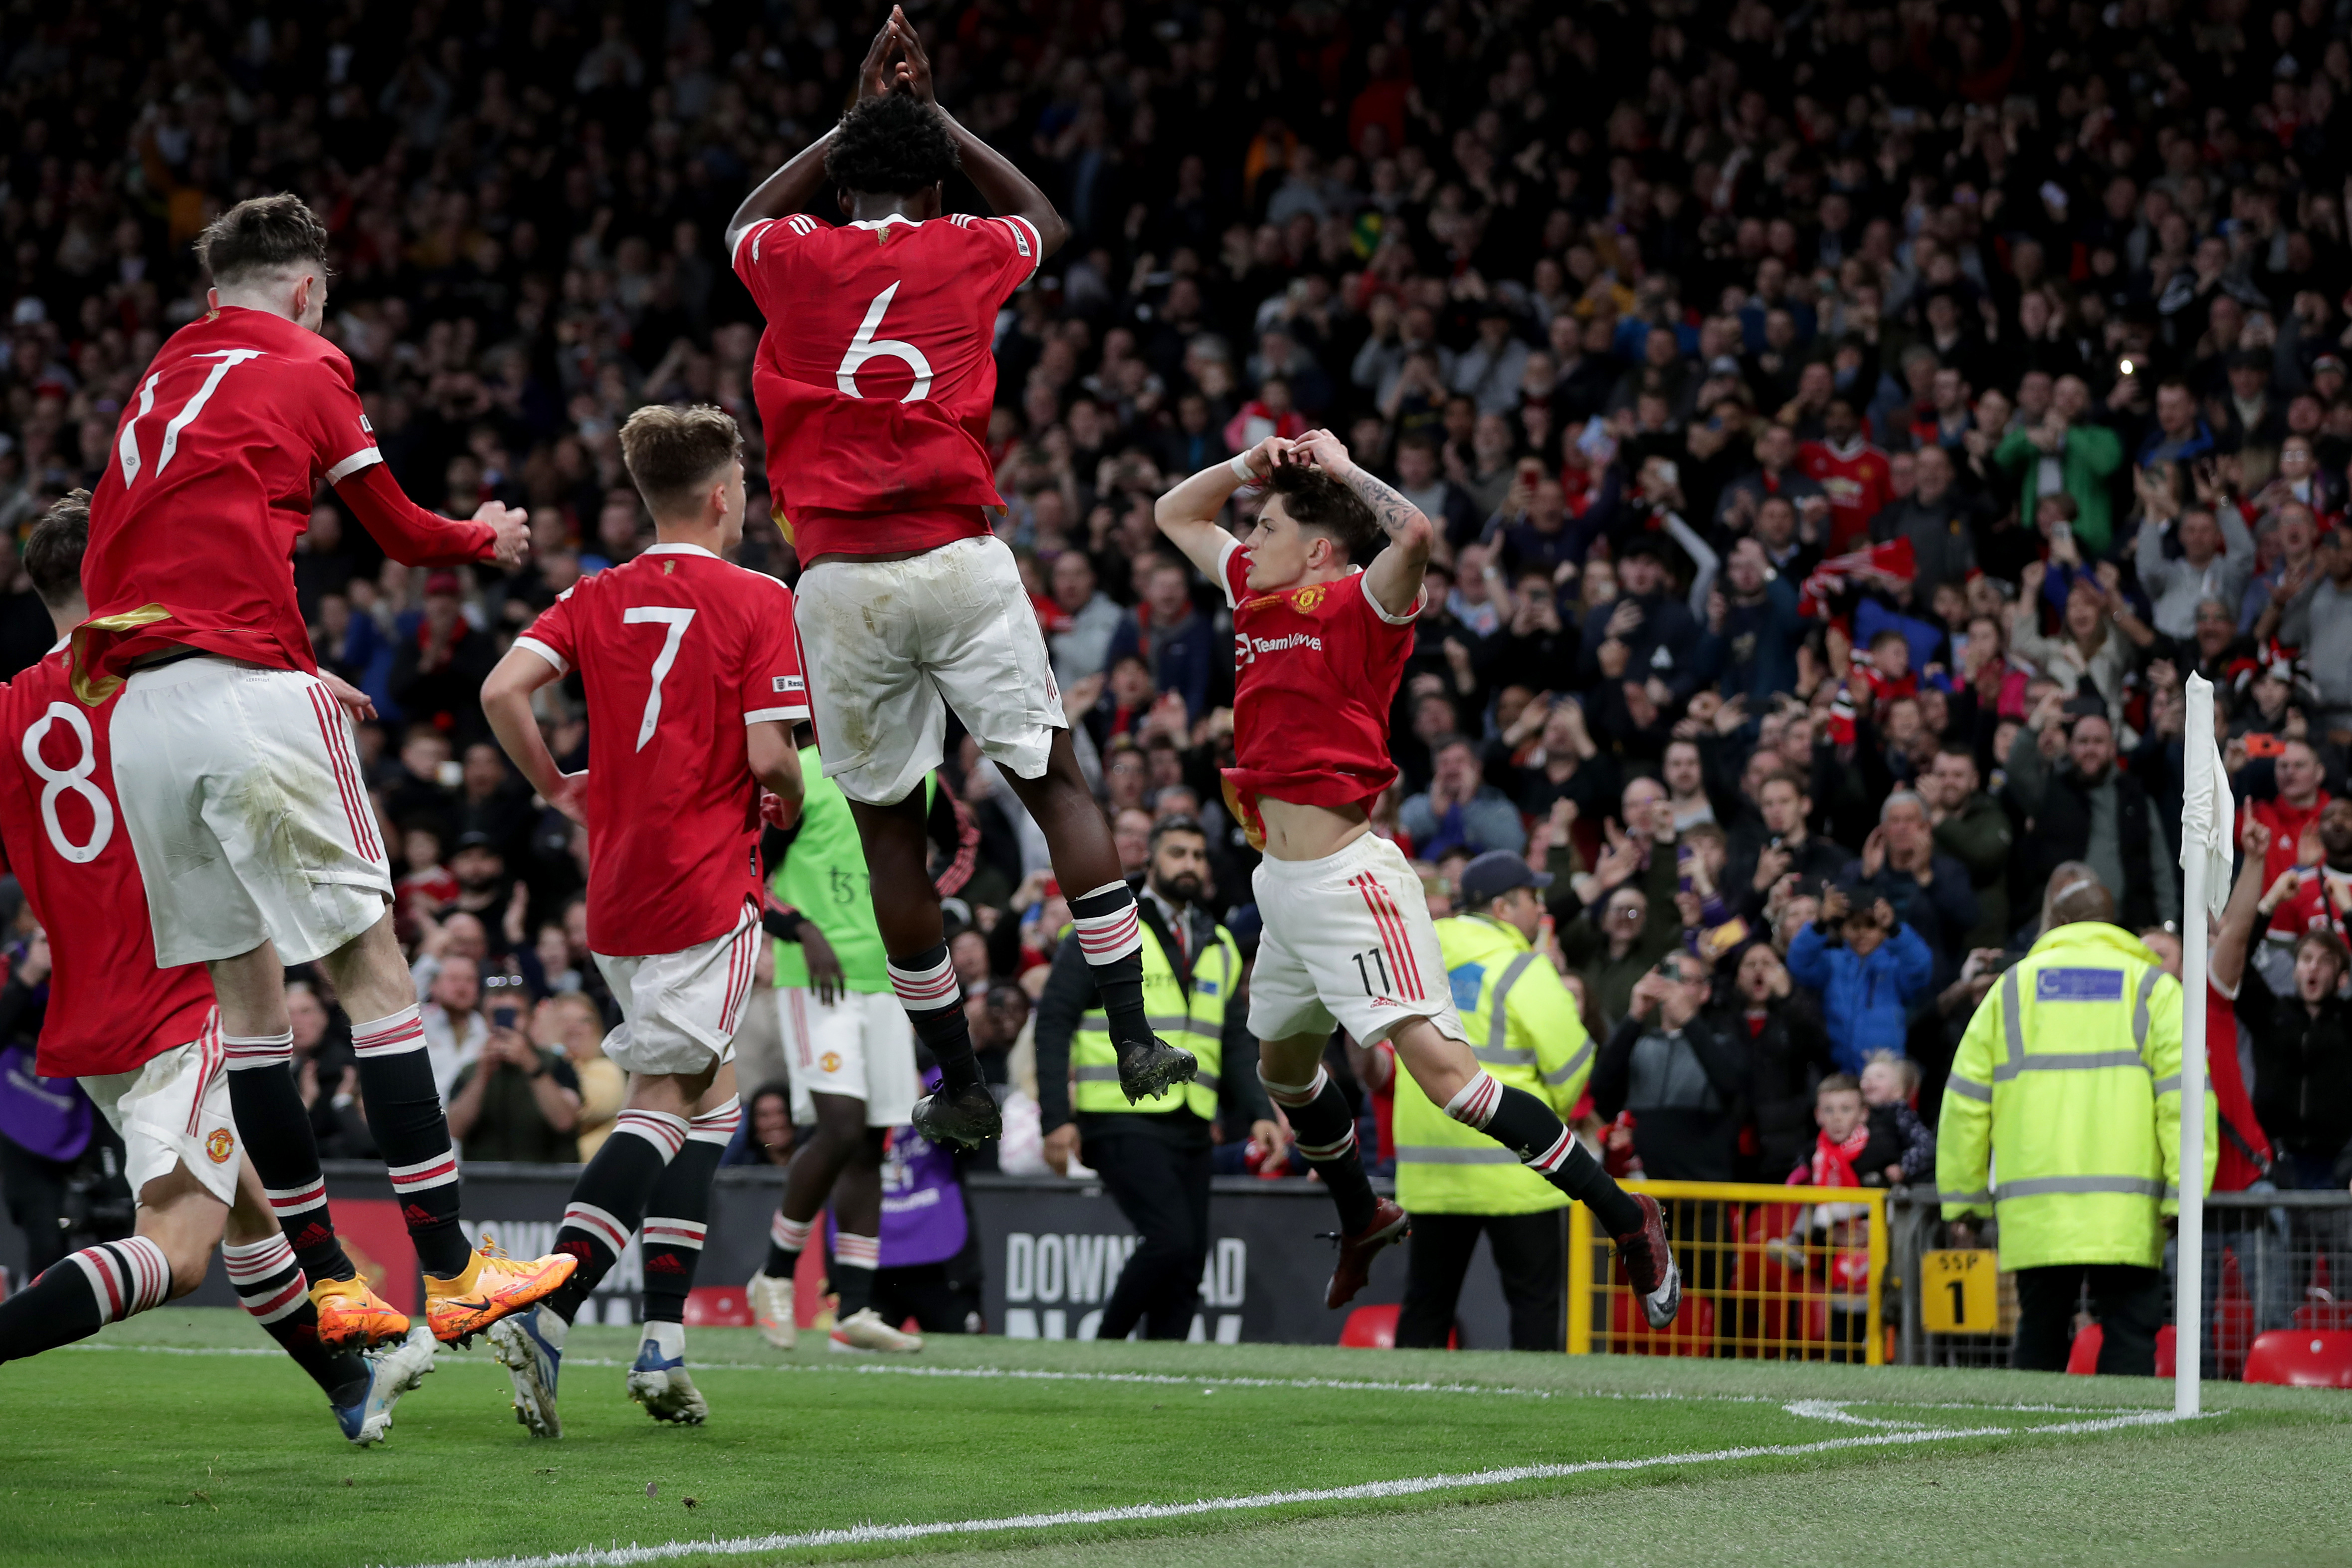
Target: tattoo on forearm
[(1391, 510)]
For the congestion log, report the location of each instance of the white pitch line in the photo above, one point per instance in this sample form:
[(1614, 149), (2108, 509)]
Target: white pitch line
[(878, 1534), (1172, 1380)]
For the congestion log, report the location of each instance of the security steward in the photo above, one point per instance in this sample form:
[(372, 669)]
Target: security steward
[(1154, 1155), (1458, 1185), (2062, 1119)]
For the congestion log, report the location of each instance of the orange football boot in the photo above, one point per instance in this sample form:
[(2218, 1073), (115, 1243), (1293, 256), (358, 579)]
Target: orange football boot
[(351, 1316), (492, 1286)]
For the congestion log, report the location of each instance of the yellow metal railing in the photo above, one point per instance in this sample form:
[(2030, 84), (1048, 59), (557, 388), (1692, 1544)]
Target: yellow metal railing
[(1768, 1274)]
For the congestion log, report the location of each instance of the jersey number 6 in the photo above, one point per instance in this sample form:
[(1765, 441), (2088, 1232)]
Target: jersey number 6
[(864, 347)]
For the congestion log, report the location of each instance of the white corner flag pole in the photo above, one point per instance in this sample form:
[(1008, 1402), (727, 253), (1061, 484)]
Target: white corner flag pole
[(2208, 816)]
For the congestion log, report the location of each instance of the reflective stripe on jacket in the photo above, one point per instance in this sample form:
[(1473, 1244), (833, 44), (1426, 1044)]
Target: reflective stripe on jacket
[(1524, 1029), (1193, 1021), (2063, 1113)]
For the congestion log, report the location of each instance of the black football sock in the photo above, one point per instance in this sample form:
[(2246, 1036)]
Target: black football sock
[(1326, 1132), (609, 1201), (274, 1128), (927, 987), (787, 1239), (855, 1260), (403, 1111), (679, 1212), (82, 1293), (1107, 932), (270, 1284), (1525, 1126)]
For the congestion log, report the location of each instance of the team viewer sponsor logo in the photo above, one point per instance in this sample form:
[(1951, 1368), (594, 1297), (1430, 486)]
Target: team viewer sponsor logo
[(1246, 647), (1049, 1278)]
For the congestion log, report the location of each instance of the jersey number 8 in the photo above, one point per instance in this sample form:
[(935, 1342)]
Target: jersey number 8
[(74, 779)]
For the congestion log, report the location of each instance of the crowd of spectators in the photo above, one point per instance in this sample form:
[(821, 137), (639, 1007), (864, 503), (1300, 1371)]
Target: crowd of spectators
[(1847, 425)]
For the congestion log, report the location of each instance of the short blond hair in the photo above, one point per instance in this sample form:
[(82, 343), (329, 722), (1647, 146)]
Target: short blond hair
[(674, 453)]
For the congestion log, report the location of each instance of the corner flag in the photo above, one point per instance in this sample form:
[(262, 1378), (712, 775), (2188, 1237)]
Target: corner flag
[(2208, 816)]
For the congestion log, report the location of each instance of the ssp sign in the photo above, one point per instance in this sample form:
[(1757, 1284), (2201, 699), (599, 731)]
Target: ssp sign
[(1959, 1293)]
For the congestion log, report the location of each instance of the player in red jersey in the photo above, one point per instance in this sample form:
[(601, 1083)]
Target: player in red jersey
[(694, 683), (239, 784), (1320, 643), (874, 380), (147, 1047), (1854, 474)]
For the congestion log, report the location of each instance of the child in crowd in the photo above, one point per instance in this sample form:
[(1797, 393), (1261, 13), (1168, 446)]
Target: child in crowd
[(1890, 1086), (1868, 967)]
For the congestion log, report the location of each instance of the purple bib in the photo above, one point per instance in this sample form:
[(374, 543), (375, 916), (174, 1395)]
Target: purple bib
[(50, 1116)]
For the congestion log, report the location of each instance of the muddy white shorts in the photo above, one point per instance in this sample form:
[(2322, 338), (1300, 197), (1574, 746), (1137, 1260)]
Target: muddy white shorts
[(1348, 939), (175, 1112), (679, 1011), (861, 1046), (242, 794), (891, 645)]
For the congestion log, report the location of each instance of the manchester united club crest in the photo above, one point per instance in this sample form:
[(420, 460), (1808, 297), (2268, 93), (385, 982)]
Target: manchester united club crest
[(830, 1061), (220, 1146), (1306, 598)]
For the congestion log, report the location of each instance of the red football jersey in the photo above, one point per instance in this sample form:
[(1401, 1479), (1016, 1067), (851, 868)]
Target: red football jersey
[(111, 1008), (877, 374), (1857, 483), (215, 464), (2237, 1169), (1315, 670), (678, 651)]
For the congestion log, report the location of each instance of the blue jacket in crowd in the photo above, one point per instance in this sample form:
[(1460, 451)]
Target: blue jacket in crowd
[(1866, 1002)]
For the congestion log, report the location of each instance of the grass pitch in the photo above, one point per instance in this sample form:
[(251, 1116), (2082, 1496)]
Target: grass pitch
[(184, 1438)]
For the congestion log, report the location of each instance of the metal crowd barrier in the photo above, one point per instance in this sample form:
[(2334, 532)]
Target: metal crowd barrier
[(2273, 1260), (1770, 1273)]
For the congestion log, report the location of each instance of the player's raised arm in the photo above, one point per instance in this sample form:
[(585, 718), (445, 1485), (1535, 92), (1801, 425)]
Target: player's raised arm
[(415, 537), (1008, 192), (1394, 576), (1188, 514)]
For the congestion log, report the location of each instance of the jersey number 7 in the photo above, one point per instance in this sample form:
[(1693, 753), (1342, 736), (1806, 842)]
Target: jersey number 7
[(127, 446), (676, 620)]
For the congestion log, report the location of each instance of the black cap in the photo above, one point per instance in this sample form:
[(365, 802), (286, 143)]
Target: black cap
[(1647, 545), (1495, 873), (477, 839)]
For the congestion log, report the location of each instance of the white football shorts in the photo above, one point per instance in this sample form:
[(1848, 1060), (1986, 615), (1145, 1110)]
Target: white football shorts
[(679, 1011), (891, 645), (861, 1046), (175, 1112), (242, 792), (1348, 940)]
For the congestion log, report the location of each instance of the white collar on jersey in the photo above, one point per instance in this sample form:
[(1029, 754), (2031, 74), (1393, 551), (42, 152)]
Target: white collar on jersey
[(676, 550), (886, 220), (58, 644)]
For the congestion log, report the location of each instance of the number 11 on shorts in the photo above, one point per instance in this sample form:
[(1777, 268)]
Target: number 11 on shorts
[(1372, 963)]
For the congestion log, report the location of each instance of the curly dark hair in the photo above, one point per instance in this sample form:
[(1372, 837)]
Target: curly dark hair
[(894, 145), (1313, 499)]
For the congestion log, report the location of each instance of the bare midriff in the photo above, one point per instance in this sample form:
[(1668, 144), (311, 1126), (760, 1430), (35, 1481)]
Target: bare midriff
[(1295, 832)]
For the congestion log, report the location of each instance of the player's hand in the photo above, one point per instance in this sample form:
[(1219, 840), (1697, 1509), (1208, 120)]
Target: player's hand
[(350, 698), (874, 74), (570, 796), (1263, 457), (1061, 1147), (1324, 451), (777, 811), (823, 965), (914, 73), (510, 538)]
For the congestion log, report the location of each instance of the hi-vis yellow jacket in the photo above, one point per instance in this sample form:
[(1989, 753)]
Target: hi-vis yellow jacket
[(1524, 1029), (2062, 1114)]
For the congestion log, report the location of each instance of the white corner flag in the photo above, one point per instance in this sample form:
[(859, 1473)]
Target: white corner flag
[(2208, 823)]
